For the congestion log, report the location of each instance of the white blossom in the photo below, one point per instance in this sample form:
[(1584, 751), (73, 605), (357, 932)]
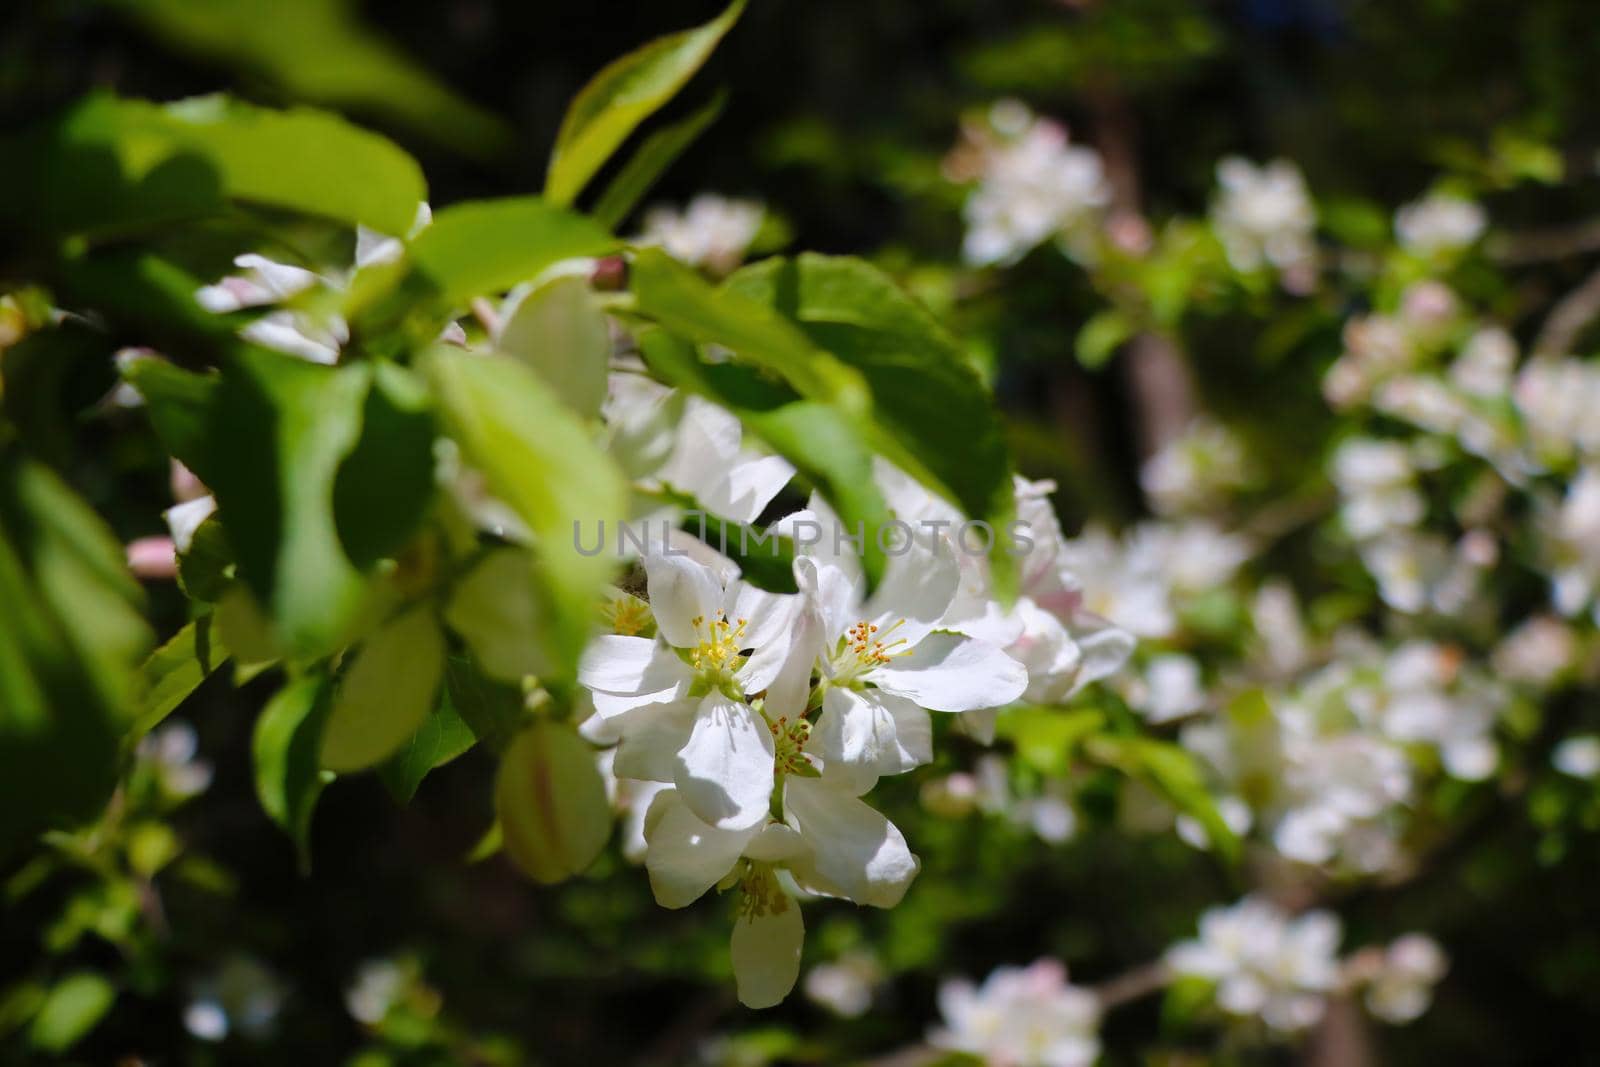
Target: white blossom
[(845, 986), (1265, 963), (678, 700), (1538, 652), (1170, 688), (1020, 1017), (1034, 186), (1196, 470), (1573, 545), (241, 996), (1578, 757), (713, 232), (1402, 988), (1264, 215), (1377, 486), (170, 754), (1440, 223)]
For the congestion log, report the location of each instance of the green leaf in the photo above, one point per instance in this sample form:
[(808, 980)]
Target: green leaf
[(494, 711), (289, 776), (496, 611), (71, 638), (679, 299), (826, 445), (180, 404), (175, 670), (442, 737), (386, 692), (541, 460), (560, 332), (110, 164), (72, 1008), (1048, 739), (930, 411), (624, 94), (1101, 336), (203, 568), (1172, 770), (280, 429), (645, 167), (384, 487), (487, 246), (551, 802), (318, 51)]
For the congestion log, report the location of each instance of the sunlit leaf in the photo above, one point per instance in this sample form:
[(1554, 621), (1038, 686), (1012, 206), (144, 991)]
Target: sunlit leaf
[(624, 94)]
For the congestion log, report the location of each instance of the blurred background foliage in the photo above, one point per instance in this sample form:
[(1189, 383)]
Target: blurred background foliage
[(839, 114)]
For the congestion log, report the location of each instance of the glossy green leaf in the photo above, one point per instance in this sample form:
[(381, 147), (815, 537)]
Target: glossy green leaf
[(683, 302), (289, 775), (624, 94), (385, 693), (487, 246), (442, 737), (826, 445), (645, 167), (280, 429), (494, 711), (110, 164), (318, 51), (176, 670), (551, 802), (542, 461), (931, 413), (384, 487)]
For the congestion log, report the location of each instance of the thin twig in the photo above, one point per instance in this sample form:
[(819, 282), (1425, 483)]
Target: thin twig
[(1133, 985), (1570, 317), (1545, 246)]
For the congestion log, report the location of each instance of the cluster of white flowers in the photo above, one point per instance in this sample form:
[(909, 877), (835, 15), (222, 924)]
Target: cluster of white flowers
[(1140, 580), (713, 232), (753, 722), (1265, 963), (1440, 223), (1033, 186), (1021, 1017), (1332, 770), (1197, 471), (1264, 216)]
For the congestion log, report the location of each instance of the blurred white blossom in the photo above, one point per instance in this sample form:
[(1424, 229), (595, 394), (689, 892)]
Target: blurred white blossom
[(1440, 223), (713, 232), (1266, 964), (1264, 215), (1020, 1017), (1033, 186), (1402, 988)]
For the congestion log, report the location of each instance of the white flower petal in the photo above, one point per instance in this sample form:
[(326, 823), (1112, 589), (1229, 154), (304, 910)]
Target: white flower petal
[(681, 590), (766, 955), (725, 769), (629, 666), (856, 852), (948, 672), (684, 856), (652, 735)]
